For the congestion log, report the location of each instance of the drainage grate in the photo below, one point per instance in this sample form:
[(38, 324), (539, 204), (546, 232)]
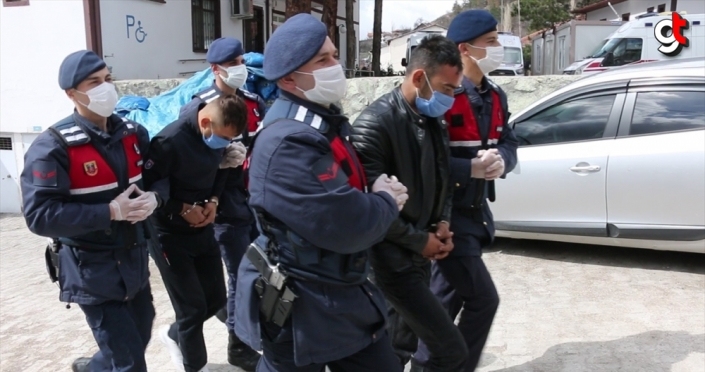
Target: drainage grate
[(5, 143)]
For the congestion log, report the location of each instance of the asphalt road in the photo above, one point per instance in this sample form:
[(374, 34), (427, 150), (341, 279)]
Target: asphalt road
[(563, 307)]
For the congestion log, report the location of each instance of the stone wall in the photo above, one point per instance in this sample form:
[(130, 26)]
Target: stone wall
[(521, 91)]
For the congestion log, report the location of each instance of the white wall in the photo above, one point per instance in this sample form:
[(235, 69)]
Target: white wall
[(34, 40), (167, 43), (636, 7), (168, 40)]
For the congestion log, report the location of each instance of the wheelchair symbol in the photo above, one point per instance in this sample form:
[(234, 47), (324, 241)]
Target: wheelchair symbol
[(140, 35)]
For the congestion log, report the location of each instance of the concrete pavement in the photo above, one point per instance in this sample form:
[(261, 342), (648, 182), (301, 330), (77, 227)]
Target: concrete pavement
[(563, 308)]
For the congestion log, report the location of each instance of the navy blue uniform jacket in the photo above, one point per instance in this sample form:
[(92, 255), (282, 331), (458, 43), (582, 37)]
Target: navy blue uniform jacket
[(329, 322), (104, 272)]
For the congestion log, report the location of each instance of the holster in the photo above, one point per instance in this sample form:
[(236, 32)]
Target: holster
[(276, 298), (51, 259)]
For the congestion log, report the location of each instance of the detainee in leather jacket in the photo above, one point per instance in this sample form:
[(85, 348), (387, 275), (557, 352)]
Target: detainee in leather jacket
[(391, 138)]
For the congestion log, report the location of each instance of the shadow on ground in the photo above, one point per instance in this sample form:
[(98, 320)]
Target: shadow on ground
[(654, 351), (603, 255)]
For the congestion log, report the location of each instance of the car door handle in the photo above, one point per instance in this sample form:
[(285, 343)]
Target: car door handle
[(585, 168)]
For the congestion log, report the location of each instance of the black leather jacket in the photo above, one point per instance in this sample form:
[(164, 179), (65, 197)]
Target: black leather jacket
[(391, 138)]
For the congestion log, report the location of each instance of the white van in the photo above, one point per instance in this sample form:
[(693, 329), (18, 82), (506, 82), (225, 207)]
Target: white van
[(513, 63), (635, 42)]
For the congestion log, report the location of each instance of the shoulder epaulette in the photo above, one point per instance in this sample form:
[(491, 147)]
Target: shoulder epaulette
[(285, 109), (70, 132), (208, 95)]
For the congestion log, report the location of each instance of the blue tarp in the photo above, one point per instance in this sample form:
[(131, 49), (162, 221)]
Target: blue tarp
[(157, 112)]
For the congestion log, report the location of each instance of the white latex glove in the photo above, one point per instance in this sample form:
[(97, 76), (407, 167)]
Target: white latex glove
[(142, 206), (234, 155), (495, 170), (484, 159), (393, 187), (120, 206)]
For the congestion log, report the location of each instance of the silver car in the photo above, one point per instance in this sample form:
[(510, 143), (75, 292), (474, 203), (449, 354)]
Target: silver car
[(616, 158)]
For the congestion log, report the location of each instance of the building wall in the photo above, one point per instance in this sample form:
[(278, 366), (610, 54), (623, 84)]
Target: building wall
[(34, 39), (162, 48), (166, 50), (636, 7)]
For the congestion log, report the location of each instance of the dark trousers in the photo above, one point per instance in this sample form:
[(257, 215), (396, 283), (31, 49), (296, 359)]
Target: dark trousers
[(192, 272), (464, 285), (278, 356), (122, 331), (422, 316), (233, 241)]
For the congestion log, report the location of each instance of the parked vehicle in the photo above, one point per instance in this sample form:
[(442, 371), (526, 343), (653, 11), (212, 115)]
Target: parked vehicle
[(414, 40), (635, 42), (513, 64), (617, 158), (570, 42)]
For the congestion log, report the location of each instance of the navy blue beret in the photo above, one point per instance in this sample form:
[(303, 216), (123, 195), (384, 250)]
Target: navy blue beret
[(470, 25), (77, 67), (224, 50), (292, 45)]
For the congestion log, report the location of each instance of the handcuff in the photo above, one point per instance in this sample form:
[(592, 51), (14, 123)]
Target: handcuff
[(211, 200)]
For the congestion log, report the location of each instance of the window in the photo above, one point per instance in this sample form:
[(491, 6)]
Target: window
[(561, 53), (15, 2), (277, 20), (623, 51), (5, 143), (625, 17), (205, 23), (577, 120), (656, 112), (650, 9), (253, 31), (662, 8)]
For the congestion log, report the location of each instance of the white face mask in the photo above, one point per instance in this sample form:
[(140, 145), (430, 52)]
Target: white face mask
[(330, 87), (102, 99), (493, 58), (237, 75)]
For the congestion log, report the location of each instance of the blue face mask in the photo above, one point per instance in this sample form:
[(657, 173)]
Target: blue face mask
[(436, 106), (215, 142)]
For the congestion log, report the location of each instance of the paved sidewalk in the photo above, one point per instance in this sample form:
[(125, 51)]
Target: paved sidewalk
[(564, 308)]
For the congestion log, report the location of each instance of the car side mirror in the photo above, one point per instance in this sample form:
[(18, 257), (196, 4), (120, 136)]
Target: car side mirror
[(608, 60), (403, 62)]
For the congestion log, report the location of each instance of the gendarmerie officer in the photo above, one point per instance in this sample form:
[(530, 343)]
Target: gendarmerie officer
[(307, 187), (234, 224), (182, 166), (483, 148), (404, 133), (81, 185)]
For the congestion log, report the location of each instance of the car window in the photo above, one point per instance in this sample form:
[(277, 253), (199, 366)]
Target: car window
[(577, 120), (656, 112)]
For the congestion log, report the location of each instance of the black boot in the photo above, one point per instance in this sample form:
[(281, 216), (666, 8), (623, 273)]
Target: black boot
[(241, 355), (81, 365)]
